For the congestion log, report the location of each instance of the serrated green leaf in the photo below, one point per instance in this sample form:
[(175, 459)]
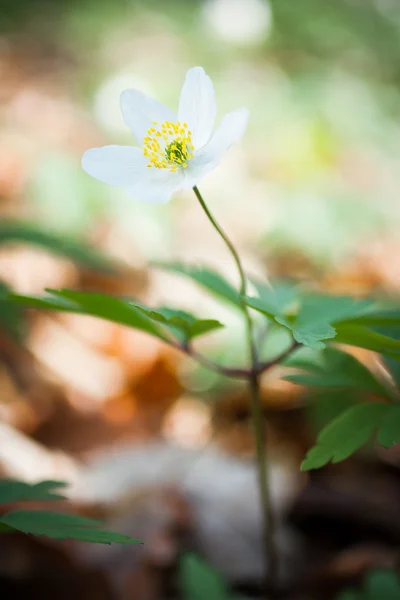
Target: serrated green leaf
[(337, 369), (309, 334), (319, 313), (279, 294), (312, 334), (63, 526), (323, 308), (376, 318), (94, 304), (266, 306), (184, 325), (345, 435), (273, 299), (203, 326), (326, 405), (357, 335), (199, 581), (210, 280), (12, 490), (316, 317), (28, 233), (389, 429), (178, 322)]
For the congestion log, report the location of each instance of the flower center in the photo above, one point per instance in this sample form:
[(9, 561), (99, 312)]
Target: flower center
[(168, 146)]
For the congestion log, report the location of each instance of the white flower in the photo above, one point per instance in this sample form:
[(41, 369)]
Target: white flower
[(175, 151)]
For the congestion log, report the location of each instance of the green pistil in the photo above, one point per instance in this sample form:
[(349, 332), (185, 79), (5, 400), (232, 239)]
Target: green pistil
[(174, 153)]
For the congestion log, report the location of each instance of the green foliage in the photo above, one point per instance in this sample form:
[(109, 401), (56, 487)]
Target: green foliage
[(276, 299), (13, 232), (54, 525), (382, 584), (312, 319), (351, 430), (337, 381), (378, 318), (389, 429), (333, 368), (320, 318), (11, 315), (348, 322), (12, 490), (199, 581), (357, 335), (390, 326), (210, 280), (94, 304), (315, 318), (62, 526), (326, 404), (182, 324)]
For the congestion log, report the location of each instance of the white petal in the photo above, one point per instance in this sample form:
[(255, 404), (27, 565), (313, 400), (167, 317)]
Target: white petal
[(126, 166), (159, 188), (139, 112), (115, 165), (231, 129), (197, 106)]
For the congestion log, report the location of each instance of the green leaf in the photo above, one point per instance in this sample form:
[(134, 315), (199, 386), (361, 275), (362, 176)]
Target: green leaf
[(322, 308), (181, 323), (309, 334), (210, 280), (389, 429), (333, 368), (267, 306), (202, 326), (12, 490), (199, 581), (345, 435), (357, 335), (280, 295), (274, 300), (376, 318), (11, 316), (325, 405), (63, 526), (27, 233), (94, 304), (392, 330), (316, 317), (382, 585)]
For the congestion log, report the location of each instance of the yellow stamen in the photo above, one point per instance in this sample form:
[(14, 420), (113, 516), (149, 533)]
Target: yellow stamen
[(169, 146)]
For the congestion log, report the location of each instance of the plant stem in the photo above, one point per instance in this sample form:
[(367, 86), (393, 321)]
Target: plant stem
[(234, 372), (264, 481), (270, 550)]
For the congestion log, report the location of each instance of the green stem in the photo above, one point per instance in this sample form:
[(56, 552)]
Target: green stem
[(270, 550), (227, 241)]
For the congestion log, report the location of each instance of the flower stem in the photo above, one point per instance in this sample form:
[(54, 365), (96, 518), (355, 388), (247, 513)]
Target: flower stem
[(253, 378)]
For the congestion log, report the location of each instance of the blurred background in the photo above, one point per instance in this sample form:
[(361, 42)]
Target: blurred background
[(310, 194)]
